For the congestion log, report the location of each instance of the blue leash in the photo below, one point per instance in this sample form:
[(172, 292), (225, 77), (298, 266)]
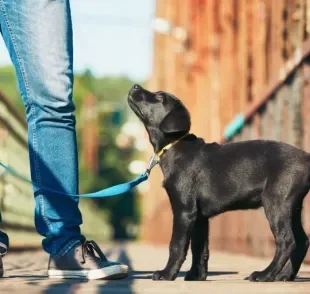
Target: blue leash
[(108, 192)]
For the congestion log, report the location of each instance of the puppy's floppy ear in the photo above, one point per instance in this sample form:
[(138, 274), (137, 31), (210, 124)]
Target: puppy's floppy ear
[(176, 121)]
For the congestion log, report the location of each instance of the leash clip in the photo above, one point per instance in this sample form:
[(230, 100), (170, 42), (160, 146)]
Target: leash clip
[(153, 161)]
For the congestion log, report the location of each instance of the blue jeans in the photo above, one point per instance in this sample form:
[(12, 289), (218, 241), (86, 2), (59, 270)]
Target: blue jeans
[(38, 35)]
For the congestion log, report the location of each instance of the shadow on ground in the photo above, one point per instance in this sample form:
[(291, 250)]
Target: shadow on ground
[(114, 286), (144, 275)]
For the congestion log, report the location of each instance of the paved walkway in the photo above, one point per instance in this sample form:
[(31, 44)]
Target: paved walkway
[(25, 273)]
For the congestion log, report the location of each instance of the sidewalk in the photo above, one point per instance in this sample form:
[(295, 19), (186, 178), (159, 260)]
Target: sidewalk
[(25, 273)]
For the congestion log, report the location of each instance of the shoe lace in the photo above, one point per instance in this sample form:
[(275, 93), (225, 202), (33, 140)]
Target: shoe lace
[(91, 248)]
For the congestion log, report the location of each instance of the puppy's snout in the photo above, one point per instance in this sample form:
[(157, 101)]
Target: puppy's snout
[(135, 92), (135, 88)]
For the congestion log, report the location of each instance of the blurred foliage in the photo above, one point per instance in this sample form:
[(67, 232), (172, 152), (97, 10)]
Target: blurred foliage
[(8, 86), (113, 161)]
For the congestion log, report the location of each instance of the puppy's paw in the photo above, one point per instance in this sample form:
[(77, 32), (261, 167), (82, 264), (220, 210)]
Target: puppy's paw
[(285, 276), (287, 273), (195, 275), (162, 276), (261, 277)]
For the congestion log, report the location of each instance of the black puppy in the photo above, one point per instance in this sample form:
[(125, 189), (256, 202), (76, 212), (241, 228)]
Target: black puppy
[(203, 180)]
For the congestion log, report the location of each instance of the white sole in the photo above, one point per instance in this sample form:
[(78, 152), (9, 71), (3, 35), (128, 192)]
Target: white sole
[(112, 272)]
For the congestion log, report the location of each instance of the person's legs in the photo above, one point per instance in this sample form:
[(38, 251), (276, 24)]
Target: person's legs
[(4, 242), (38, 35), (4, 245)]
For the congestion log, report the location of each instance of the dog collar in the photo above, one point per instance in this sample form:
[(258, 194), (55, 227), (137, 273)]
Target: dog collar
[(167, 147), (153, 161)]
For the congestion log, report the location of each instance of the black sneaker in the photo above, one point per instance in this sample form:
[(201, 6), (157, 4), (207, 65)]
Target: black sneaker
[(86, 261), (3, 251), (1, 267)]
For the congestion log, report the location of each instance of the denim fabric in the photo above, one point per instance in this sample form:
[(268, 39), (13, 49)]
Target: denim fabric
[(38, 35)]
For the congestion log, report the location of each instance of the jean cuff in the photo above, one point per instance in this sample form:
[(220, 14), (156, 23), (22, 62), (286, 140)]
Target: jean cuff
[(68, 246)]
